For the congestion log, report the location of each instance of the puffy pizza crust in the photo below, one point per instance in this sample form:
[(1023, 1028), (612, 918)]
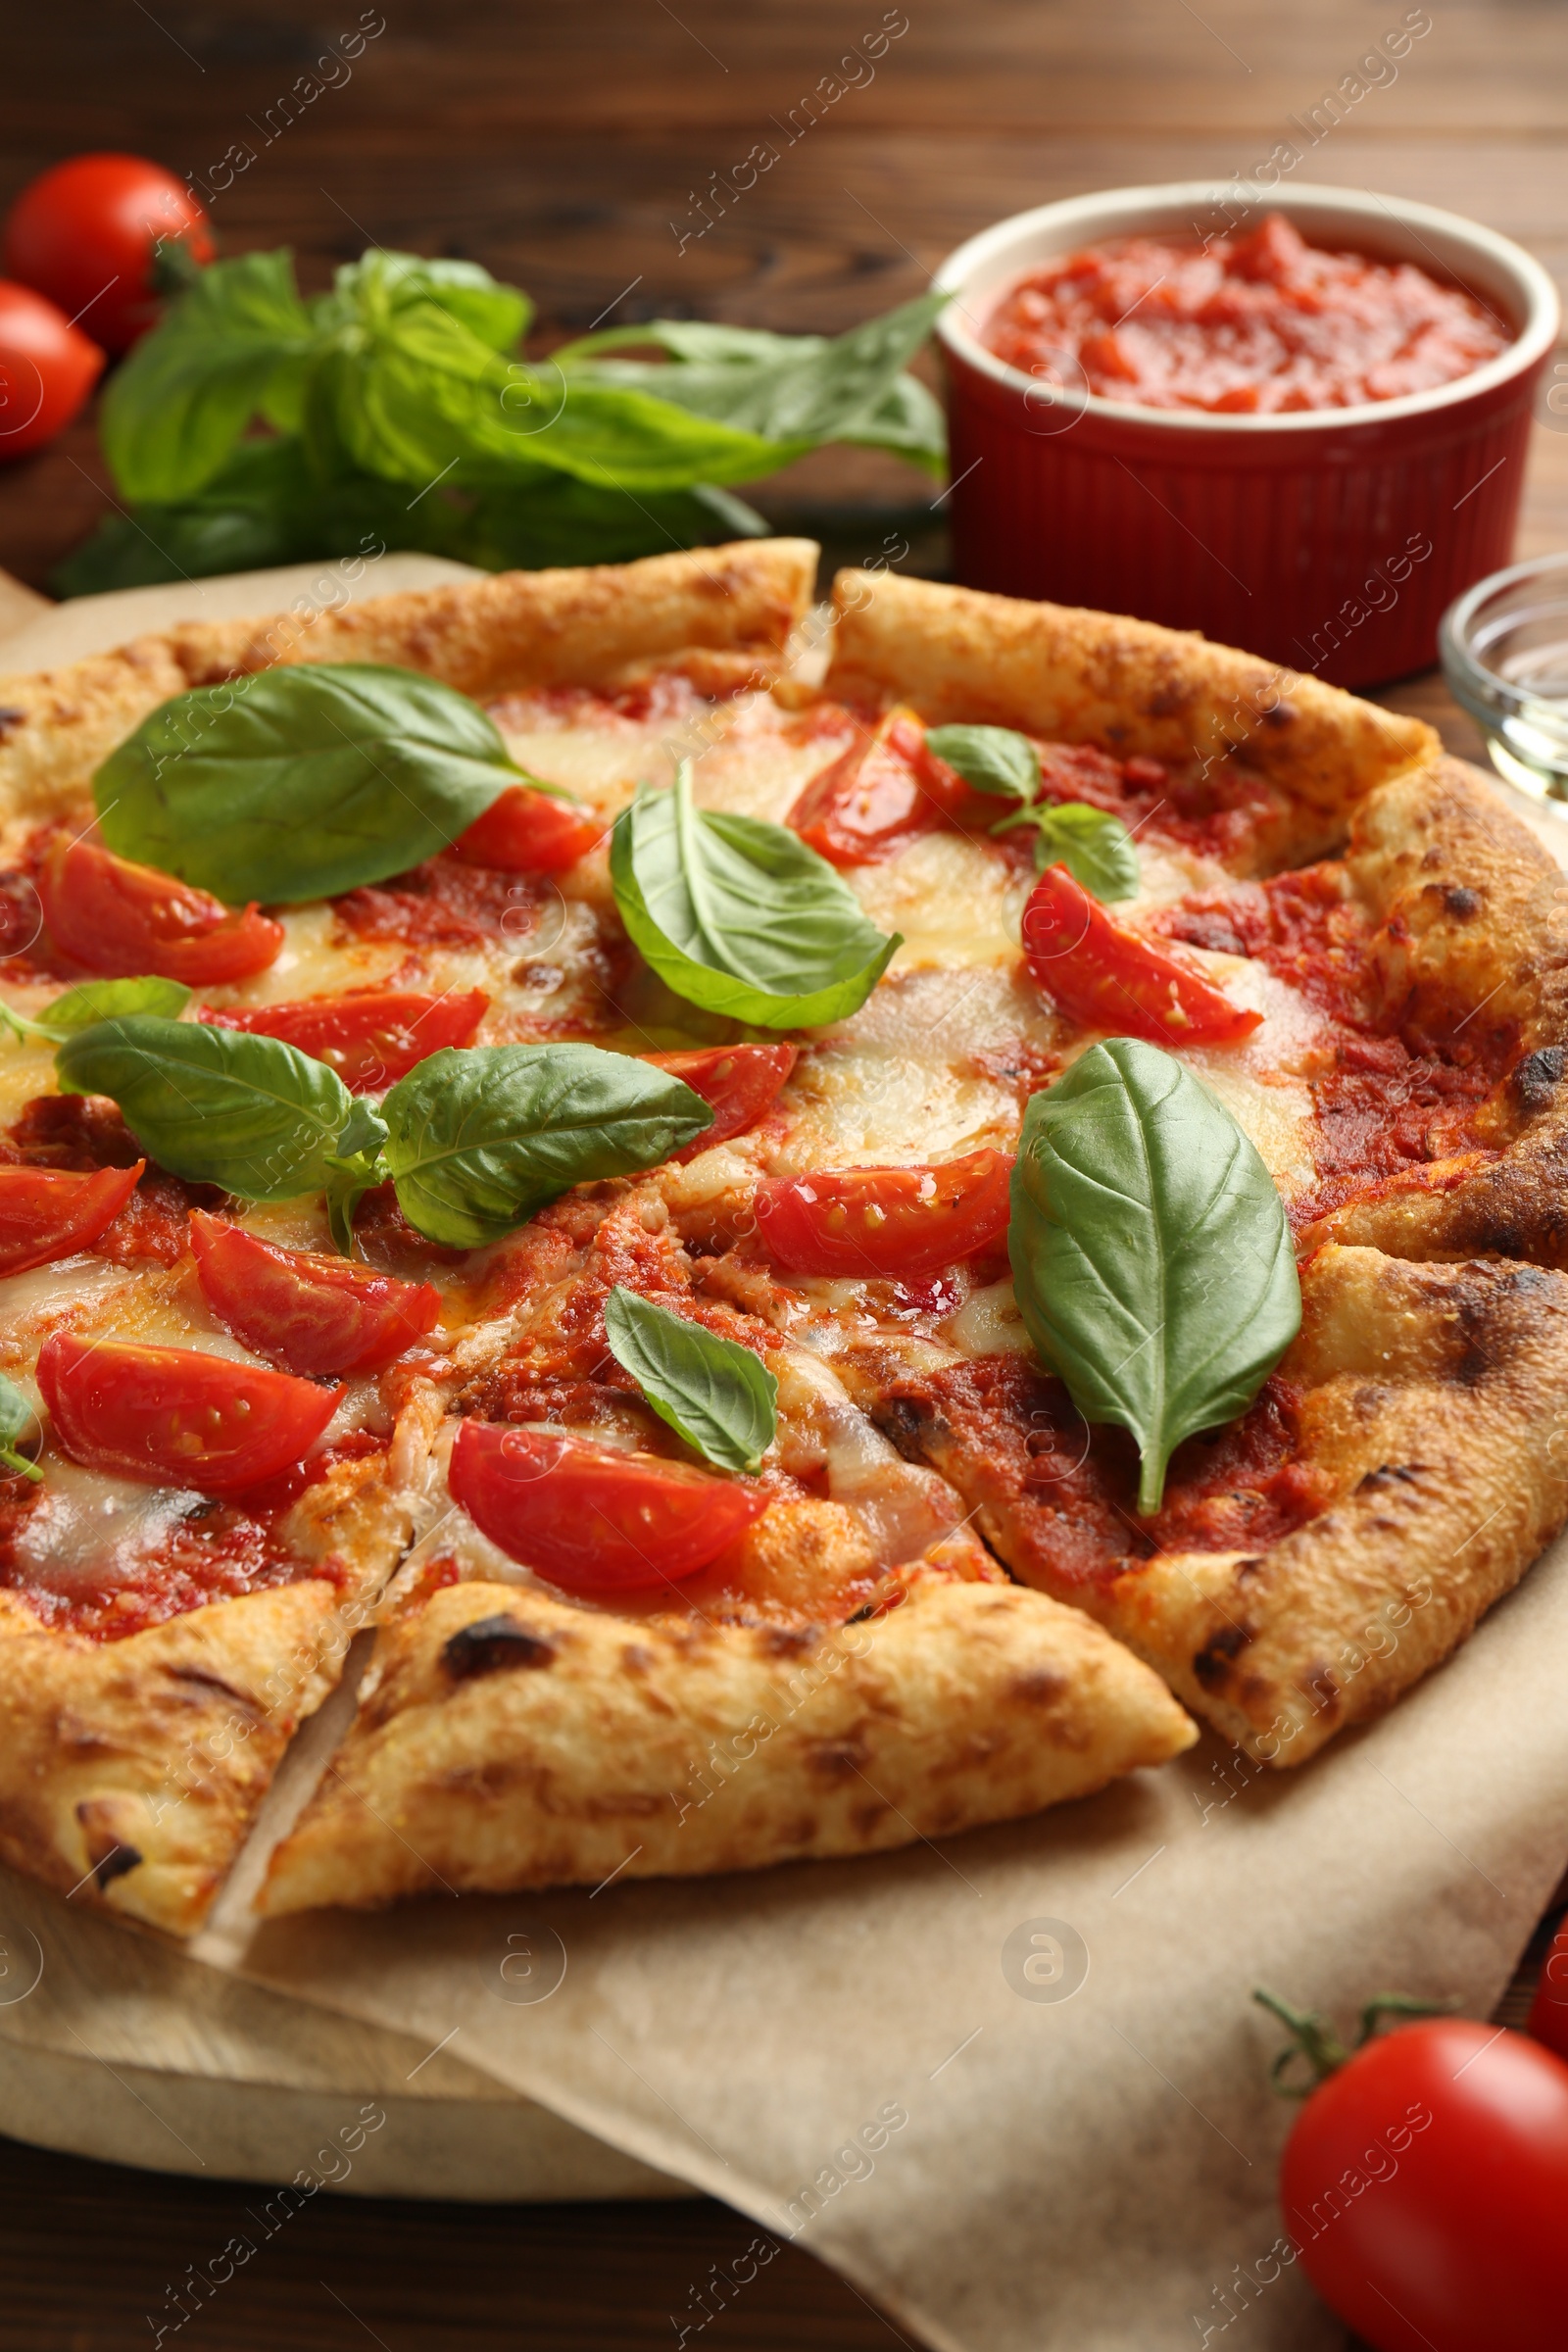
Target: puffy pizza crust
[(1437, 1404), (130, 1771), (508, 1740)]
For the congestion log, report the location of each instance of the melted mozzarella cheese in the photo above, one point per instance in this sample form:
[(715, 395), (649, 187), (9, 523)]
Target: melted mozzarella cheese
[(954, 900)]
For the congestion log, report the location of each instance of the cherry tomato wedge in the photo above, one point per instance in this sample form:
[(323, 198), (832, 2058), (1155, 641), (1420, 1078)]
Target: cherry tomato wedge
[(47, 369), (114, 916), (737, 1082), (589, 1518), (866, 805), (86, 233), (48, 1212), (527, 832), (892, 1221), (176, 1417), (306, 1311), (1426, 2184), (371, 1040), (1109, 978)]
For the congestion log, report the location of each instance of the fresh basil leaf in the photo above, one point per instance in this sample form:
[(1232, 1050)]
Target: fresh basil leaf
[(100, 1000), (713, 1392), (1151, 1252), (301, 780), (994, 759), (215, 1106), (741, 917), (358, 1164), (482, 1136), (1094, 846), (16, 1417), (382, 283), (235, 347)]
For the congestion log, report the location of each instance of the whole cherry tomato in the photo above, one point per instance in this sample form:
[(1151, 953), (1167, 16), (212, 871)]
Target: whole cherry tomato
[(1426, 2186), (738, 1083), (372, 1038), (592, 1519), (87, 234), (47, 1213), (114, 916), (176, 1417), (893, 1221), (1109, 978), (529, 832), (306, 1311), (47, 369)]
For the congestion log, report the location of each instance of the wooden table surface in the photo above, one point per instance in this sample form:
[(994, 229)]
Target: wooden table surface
[(565, 149)]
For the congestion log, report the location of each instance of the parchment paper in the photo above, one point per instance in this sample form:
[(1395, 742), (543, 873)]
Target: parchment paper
[(1014, 2087)]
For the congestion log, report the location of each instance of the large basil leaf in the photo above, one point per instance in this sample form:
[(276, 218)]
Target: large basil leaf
[(481, 1136), (1094, 846), (994, 759), (17, 1416), (716, 1394), (233, 348), (99, 1001), (215, 1106), (1151, 1252), (741, 917), (302, 780)]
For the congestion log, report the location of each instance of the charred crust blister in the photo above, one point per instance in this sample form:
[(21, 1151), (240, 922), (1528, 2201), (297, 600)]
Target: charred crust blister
[(491, 1644), (1536, 1080), (1461, 901), (114, 1864), (1214, 1662), (1387, 1474), (10, 720)]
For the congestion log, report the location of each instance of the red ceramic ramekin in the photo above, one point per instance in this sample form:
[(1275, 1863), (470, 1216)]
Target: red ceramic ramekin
[(1328, 539)]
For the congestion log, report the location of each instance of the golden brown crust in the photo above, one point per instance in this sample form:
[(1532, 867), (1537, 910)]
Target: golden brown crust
[(508, 1740), (1433, 1398), (487, 637), (130, 1771), (1078, 676)]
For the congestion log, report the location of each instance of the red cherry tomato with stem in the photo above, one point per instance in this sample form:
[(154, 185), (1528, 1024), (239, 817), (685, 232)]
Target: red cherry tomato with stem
[(591, 1519), (47, 1213), (306, 1311), (1426, 2184), (1110, 978), (47, 369), (885, 1221), (176, 1417), (529, 832), (372, 1038), (117, 917), (738, 1083), (87, 234)]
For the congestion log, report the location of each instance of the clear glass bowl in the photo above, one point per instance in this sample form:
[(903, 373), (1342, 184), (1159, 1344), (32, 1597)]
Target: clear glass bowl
[(1504, 646)]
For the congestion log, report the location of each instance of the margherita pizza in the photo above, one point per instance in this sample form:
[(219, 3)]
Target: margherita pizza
[(815, 1257)]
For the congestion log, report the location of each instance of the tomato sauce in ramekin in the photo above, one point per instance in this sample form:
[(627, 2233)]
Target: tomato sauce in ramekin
[(1254, 324)]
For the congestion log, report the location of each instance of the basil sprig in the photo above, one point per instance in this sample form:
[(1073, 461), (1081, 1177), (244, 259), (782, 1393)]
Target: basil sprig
[(302, 780), (741, 917), (1151, 1253), (16, 1417), (1094, 846), (99, 1001), (480, 1137), (713, 1392), (475, 1139)]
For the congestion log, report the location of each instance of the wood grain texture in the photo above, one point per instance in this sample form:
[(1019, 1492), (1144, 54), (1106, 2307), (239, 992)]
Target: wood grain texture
[(558, 146)]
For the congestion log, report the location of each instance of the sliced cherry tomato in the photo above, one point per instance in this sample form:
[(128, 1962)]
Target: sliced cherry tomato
[(372, 1040), (176, 1417), (867, 804), (1426, 2184), (1109, 978), (896, 1221), (87, 234), (589, 1518), (48, 1212), (47, 369), (737, 1082), (113, 917), (527, 832), (304, 1310)]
